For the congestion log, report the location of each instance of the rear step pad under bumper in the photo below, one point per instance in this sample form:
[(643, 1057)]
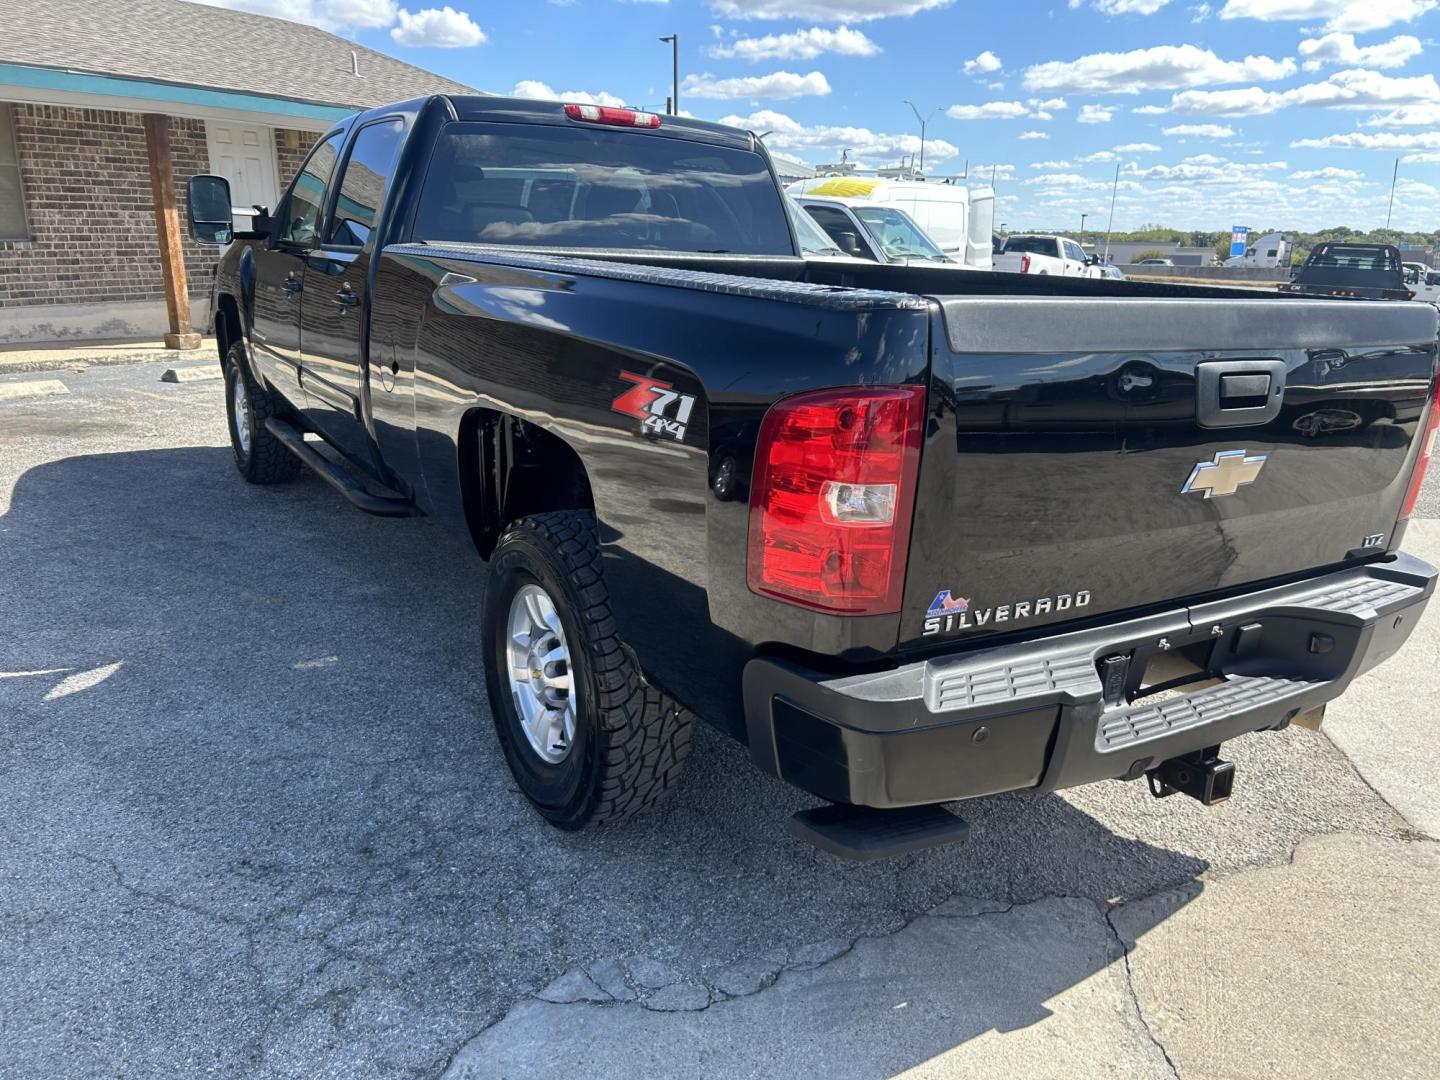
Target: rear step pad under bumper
[(337, 477), (861, 834)]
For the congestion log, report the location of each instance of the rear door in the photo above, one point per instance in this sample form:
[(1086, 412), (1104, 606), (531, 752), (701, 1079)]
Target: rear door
[(1092, 455), (337, 271)]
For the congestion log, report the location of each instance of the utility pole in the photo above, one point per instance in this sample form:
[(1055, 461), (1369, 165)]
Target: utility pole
[(923, 120), (1393, 178), (1111, 223), (674, 40), (1082, 227)]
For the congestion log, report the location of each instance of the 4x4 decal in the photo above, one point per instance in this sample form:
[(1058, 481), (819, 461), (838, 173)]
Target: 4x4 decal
[(650, 400)]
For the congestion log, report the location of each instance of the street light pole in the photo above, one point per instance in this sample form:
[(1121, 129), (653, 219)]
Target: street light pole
[(923, 121), (1082, 227), (1394, 178), (674, 40)]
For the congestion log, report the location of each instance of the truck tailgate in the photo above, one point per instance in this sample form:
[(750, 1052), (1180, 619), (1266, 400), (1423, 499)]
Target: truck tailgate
[(1090, 455)]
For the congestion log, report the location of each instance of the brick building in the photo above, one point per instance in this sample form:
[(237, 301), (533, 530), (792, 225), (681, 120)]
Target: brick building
[(106, 109)]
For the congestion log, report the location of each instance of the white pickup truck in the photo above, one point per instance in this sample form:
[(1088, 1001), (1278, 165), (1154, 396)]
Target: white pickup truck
[(1057, 255)]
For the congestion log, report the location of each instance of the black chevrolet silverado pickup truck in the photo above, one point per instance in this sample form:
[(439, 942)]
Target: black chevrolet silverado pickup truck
[(913, 535)]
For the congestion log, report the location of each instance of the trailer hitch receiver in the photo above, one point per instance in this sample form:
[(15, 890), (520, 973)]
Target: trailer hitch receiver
[(1201, 775)]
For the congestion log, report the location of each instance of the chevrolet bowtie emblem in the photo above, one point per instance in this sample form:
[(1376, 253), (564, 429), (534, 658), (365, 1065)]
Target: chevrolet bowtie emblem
[(1225, 474)]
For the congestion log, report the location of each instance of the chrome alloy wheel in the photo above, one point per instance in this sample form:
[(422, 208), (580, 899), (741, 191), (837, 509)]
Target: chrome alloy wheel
[(540, 674), (240, 412)]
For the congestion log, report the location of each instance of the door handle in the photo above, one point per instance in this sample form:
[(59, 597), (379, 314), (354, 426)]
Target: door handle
[(1238, 393), (293, 285), (347, 298)]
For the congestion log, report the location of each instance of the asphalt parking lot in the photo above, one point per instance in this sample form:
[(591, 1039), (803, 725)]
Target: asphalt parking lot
[(255, 823)]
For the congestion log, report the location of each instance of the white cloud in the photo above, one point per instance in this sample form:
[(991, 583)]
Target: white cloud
[(335, 15), (838, 11), (1050, 165), (1057, 179), (1363, 140), (1162, 67), (1427, 115), (532, 88), (778, 85), (1137, 148), (987, 172), (790, 134), (1356, 89), (1095, 114), (1028, 136), (991, 110), (1207, 169), (1097, 157), (1429, 157), (1354, 15), (1129, 7), (1201, 131), (1034, 108), (1330, 172), (798, 45), (437, 28), (1341, 49), (983, 64)]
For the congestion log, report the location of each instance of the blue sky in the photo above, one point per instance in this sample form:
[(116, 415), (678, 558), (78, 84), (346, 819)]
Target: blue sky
[(1287, 113)]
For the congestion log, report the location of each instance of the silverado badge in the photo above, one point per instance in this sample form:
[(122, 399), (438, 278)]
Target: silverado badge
[(948, 613), (1225, 474)]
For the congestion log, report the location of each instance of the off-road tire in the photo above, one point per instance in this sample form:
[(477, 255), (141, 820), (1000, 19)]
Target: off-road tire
[(631, 740), (268, 460)]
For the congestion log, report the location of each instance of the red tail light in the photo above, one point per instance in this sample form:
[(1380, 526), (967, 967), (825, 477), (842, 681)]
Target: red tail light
[(1427, 450), (1024, 264), (833, 496), (604, 114)]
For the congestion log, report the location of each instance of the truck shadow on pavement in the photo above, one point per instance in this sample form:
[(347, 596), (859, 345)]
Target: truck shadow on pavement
[(255, 818)]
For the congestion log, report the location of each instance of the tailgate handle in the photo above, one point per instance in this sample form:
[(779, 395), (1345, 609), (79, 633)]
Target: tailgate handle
[(1238, 393)]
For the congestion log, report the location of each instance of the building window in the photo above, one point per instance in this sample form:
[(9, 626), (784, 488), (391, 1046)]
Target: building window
[(12, 195)]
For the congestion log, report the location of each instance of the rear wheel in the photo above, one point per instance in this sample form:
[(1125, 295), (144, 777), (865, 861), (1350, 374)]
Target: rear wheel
[(260, 457), (587, 738)]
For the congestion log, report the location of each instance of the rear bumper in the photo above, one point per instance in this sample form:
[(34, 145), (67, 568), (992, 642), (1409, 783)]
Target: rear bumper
[(1038, 715)]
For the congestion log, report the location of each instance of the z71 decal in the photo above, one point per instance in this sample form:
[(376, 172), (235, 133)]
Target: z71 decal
[(661, 410)]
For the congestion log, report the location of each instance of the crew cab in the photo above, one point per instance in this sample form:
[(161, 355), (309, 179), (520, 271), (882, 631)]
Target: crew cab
[(982, 532), (1354, 271), (1051, 255)]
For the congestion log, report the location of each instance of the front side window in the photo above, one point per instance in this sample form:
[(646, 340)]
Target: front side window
[(588, 187), (13, 225), (307, 194), (363, 183)]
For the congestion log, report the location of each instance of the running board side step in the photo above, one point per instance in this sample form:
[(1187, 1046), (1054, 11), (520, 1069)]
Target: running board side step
[(336, 476), (862, 834)]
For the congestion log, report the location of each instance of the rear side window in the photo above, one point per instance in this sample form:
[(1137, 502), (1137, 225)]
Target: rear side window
[(580, 187), (363, 183)]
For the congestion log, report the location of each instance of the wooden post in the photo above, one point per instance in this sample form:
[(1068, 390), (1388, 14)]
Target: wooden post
[(167, 232)]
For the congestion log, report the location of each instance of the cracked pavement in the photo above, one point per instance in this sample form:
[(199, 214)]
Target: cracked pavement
[(253, 822)]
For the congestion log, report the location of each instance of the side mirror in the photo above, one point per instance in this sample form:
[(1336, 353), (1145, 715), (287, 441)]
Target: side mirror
[(849, 243), (208, 201)]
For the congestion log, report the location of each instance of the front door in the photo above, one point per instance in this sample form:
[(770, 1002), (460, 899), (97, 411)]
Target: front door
[(245, 155), (336, 310), (280, 273)]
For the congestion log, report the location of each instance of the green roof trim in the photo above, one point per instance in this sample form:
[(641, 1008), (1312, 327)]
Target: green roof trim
[(79, 82)]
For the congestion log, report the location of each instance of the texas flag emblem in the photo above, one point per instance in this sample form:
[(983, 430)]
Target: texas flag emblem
[(945, 604)]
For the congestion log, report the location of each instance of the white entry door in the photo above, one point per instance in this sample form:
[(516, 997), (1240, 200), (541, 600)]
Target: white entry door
[(245, 155)]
